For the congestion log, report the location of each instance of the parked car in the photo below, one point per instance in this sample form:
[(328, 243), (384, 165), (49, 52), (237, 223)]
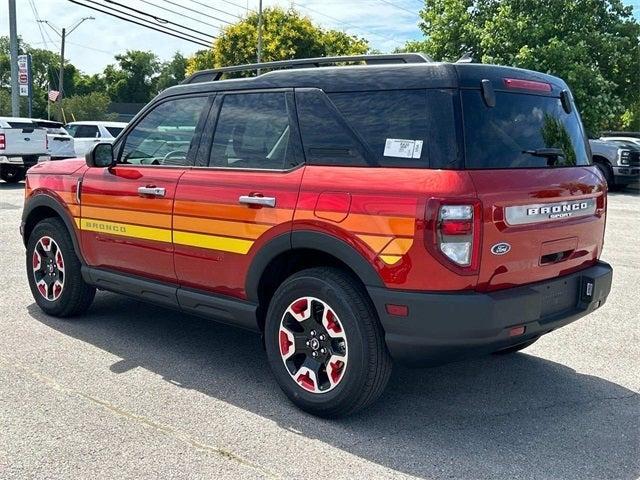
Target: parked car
[(59, 142), (619, 161), (21, 143), (87, 134), (399, 209)]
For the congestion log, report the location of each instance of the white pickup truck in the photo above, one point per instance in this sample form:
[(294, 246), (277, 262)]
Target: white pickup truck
[(21, 143)]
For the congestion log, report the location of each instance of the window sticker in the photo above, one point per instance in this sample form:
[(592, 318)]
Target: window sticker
[(400, 148)]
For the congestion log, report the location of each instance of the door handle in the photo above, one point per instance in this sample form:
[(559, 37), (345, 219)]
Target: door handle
[(256, 200), (151, 191)]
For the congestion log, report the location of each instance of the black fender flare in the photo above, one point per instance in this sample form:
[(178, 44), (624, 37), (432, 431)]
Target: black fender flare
[(44, 200), (309, 239)]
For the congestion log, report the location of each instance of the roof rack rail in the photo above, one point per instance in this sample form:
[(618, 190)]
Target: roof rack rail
[(215, 74)]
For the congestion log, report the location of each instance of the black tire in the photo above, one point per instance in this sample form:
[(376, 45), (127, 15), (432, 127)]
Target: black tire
[(607, 173), (517, 348), (75, 295), (11, 173), (369, 364)]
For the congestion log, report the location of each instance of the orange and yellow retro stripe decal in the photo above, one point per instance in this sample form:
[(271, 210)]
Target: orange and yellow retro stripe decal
[(233, 228)]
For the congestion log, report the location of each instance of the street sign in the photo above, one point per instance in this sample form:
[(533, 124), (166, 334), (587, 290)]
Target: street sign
[(23, 75)]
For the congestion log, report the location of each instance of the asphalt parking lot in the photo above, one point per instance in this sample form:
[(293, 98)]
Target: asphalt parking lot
[(135, 391)]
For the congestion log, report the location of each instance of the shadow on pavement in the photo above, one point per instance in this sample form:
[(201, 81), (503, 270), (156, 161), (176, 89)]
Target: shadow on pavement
[(504, 417), (11, 186)]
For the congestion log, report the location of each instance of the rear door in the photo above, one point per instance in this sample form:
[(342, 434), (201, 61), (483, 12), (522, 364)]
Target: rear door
[(543, 203), (126, 210), (243, 192)]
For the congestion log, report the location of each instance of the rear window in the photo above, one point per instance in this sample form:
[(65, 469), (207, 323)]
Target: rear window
[(114, 131), (521, 131), (22, 125)]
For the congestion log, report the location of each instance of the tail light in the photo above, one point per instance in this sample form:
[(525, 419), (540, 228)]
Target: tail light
[(3, 142), (453, 234), (519, 84)]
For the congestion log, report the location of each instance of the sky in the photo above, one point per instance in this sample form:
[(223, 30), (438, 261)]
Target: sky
[(385, 23)]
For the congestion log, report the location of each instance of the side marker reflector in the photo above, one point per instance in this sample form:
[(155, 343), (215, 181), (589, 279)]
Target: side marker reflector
[(517, 331), (397, 310)]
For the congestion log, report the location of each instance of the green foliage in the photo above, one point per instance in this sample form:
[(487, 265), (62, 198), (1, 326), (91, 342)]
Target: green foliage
[(92, 106), (286, 35), (133, 78), (592, 44), (172, 72)]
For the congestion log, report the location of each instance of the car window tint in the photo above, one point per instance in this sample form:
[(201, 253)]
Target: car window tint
[(86, 131), (325, 136), (393, 123), (253, 131), (164, 135), (114, 131), (521, 131)]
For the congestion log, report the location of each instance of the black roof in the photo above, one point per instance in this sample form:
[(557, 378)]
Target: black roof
[(376, 77)]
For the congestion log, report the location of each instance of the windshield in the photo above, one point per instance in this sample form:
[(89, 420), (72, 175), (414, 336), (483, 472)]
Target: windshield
[(521, 131)]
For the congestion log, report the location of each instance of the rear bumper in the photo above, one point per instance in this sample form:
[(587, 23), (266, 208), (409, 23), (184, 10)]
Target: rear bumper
[(626, 175), (441, 327)]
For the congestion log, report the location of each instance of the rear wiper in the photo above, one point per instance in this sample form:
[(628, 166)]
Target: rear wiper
[(551, 154), (545, 152)]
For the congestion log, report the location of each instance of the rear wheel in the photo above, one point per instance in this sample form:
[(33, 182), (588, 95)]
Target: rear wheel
[(325, 344), (11, 173), (53, 270)]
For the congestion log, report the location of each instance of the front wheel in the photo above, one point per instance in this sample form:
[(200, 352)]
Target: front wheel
[(53, 270), (325, 344)]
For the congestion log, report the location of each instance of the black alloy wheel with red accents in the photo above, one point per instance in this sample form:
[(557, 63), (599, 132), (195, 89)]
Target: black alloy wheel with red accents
[(325, 344), (54, 271)]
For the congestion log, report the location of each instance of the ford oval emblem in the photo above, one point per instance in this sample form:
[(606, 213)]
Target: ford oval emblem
[(501, 248)]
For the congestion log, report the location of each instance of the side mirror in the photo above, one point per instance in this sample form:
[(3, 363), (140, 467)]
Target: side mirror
[(100, 156)]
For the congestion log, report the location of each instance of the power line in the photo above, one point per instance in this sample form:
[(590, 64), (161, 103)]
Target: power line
[(395, 5), (157, 19), (243, 7), (346, 23), (183, 15), (146, 25), (212, 8)]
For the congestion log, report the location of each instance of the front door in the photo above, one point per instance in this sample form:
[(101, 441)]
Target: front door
[(126, 210), (244, 194)]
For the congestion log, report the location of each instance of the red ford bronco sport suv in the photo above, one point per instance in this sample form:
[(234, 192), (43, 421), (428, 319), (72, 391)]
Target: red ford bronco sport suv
[(388, 207)]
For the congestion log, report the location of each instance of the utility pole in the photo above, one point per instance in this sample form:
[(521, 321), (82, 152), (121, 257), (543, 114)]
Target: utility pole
[(13, 48), (259, 33), (63, 36)]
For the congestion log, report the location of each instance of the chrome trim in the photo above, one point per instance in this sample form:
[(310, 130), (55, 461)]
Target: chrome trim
[(262, 201), (78, 190), (545, 212), (152, 191)]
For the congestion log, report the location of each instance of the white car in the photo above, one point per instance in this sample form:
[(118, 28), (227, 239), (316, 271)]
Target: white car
[(86, 134), (59, 142), (22, 142)]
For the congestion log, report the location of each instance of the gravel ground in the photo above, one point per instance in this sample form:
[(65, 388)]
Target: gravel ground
[(134, 391)]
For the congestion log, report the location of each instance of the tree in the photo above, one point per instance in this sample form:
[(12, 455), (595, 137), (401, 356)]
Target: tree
[(171, 72), (592, 44), (93, 106), (286, 35), (133, 78)]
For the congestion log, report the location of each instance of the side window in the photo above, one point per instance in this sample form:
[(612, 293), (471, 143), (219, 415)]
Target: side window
[(253, 131), (164, 135), (326, 137), (87, 131), (393, 123)]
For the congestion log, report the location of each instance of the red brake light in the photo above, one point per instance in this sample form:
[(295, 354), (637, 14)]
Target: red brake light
[(527, 85), (453, 233), (456, 227), (3, 143)]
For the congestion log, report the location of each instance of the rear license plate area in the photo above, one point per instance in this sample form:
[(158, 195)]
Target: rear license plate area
[(558, 296)]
